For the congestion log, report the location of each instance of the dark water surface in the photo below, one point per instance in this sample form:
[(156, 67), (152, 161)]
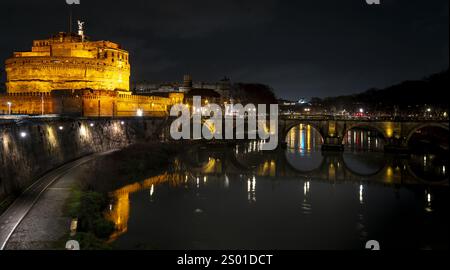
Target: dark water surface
[(297, 198)]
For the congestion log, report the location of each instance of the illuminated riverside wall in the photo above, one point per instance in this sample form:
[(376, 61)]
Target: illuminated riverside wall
[(86, 102), (31, 148)]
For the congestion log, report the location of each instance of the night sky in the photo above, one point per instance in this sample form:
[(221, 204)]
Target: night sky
[(300, 48)]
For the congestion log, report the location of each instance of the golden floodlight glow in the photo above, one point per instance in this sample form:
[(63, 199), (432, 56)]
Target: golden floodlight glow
[(5, 140), (389, 128), (51, 136), (83, 131), (389, 174)]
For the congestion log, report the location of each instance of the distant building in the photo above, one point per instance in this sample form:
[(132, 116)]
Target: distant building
[(208, 96), (219, 91)]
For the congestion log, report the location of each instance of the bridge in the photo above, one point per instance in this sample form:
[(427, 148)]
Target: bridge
[(396, 132)]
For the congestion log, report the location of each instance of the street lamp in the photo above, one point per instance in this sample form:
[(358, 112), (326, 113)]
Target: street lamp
[(9, 107), (361, 110)]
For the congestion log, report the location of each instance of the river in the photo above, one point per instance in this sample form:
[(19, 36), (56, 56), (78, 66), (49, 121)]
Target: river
[(217, 197)]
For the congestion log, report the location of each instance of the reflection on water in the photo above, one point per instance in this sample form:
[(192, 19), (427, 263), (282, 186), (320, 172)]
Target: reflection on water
[(251, 189), (429, 166), (363, 140), (304, 139), (242, 198), (119, 210)]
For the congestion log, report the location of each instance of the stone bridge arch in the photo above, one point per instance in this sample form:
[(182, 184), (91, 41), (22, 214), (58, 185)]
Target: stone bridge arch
[(413, 129), (382, 128), (286, 126), (354, 172)]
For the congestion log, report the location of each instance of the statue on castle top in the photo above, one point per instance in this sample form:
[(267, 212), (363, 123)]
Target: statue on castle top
[(80, 25), (80, 28)]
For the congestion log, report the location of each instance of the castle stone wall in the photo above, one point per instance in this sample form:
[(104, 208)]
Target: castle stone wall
[(87, 102)]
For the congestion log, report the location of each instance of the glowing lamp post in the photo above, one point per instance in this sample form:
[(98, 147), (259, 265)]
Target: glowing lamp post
[(9, 103)]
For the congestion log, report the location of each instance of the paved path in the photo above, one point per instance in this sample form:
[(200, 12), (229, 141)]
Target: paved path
[(13, 216)]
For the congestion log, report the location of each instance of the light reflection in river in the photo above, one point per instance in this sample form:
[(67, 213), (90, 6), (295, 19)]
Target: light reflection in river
[(304, 139), (363, 140), (345, 191)]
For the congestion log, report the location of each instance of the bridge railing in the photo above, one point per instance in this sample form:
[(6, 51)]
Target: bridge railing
[(325, 117)]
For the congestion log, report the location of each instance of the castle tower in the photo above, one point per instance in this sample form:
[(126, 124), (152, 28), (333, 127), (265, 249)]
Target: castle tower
[(68, 61)]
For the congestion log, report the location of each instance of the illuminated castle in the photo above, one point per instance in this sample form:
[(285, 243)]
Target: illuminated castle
[(69, 75)]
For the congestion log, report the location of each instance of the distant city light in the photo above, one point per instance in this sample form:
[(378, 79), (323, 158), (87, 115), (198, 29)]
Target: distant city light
[(361, 110), (429, 110), (122, 123), (302, 101), (91, 124), (139, 113), (61, 127), (23, 134)]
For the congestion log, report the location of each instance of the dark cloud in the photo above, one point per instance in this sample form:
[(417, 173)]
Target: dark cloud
[(300, 48)]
